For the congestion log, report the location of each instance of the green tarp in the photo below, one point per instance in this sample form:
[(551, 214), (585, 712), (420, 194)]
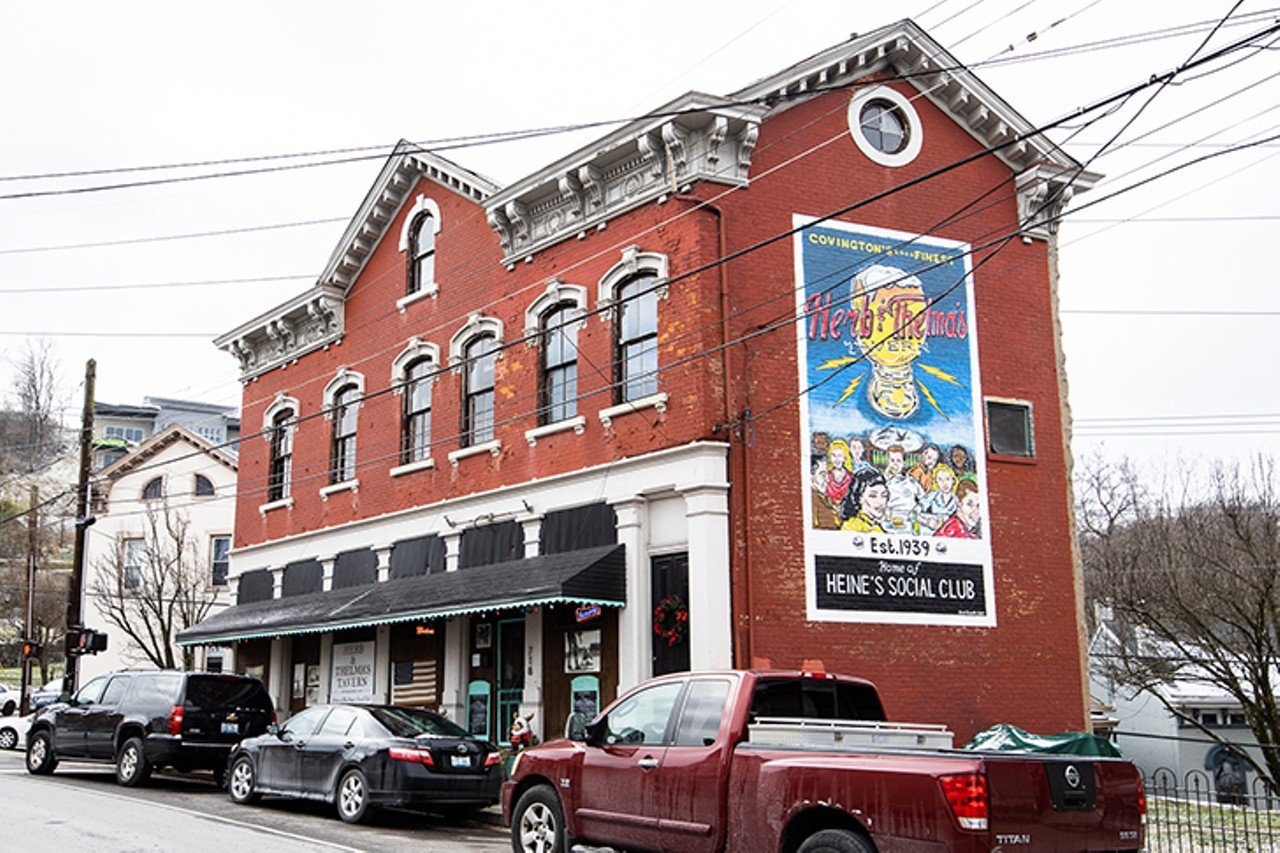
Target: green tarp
[(1006, 738)]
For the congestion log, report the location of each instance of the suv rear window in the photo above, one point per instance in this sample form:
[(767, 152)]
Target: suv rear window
[(152, 691), (223, 691)]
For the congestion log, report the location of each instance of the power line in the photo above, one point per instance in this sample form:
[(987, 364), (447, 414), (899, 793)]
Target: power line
[(874, 198), (472, 140)]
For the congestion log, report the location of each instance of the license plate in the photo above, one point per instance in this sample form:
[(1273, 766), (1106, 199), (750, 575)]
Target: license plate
[(230, 729), (461, 761)]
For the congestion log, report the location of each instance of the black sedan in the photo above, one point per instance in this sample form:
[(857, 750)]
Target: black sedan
[(361, 757)]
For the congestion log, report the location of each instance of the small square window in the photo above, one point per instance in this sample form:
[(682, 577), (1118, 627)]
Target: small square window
[(1009, 428)]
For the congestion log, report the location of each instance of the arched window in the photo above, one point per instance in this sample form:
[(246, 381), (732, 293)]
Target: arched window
[(153, 490), (281, 469), (635, 360), (422, 253), (204, 487), (415, 444), (343, 449), (479, 356), (558, 378)]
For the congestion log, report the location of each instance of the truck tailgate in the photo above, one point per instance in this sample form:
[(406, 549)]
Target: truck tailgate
[(1063, 803)]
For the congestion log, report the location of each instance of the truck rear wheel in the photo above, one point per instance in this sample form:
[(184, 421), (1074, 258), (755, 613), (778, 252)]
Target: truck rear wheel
[(835, 841), (537, 824)]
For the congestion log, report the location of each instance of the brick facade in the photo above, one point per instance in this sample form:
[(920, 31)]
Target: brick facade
[(728, 385)]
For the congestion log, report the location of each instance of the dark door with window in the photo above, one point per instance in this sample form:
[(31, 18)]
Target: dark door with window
[(670, 573), (510, 675)]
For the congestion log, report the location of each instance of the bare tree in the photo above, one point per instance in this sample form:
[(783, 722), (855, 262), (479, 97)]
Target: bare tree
[(31, 433), (159, 591), (1190, 572), (49, 602)]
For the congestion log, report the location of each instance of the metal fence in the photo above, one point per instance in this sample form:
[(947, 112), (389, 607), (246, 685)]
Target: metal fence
[(1198, 813)]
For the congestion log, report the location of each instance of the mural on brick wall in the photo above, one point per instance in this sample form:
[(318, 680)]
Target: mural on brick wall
[(896, 521)]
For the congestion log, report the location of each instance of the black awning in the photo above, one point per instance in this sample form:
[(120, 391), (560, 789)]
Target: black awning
[(589, 576)]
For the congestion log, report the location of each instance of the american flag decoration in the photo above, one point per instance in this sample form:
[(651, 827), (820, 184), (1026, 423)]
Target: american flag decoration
[(413, 683)]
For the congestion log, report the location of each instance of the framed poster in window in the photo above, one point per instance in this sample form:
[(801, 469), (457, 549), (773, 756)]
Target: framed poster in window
[(484, 635), (582, 651)]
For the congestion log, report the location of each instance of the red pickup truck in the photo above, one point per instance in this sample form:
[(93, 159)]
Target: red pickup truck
[(794, 761)]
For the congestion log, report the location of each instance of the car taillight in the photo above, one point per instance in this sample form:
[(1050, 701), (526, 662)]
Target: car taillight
[(175, 720), (416, 756), (492, 759), (967, 796), (1142, 799), (273, 717)]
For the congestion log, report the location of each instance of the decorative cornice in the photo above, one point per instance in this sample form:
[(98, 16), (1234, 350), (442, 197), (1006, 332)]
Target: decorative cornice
[(1043, 193), (694, 138), (905, 49), (307, 322)]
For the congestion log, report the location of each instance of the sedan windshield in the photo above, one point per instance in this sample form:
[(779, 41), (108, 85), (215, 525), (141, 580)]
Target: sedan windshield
[(410, 722)]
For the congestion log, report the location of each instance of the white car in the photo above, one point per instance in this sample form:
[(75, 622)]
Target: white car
[(10, 699), (13, 732)]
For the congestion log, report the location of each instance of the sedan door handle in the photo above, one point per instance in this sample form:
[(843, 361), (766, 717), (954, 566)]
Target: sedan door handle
[(648, 763)]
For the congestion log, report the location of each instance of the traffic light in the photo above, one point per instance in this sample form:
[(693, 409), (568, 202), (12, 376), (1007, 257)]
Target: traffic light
[(86, 641), (32, 649)]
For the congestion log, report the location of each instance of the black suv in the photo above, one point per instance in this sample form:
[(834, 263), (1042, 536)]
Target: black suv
[(143, 720)]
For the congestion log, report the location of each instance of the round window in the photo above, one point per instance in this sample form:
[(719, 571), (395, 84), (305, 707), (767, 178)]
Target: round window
[(883, 125)]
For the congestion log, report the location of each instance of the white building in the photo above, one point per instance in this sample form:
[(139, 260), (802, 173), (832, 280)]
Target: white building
[(176, 471), (1155, 738)]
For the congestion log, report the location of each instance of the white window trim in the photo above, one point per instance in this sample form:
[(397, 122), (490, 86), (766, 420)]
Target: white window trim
[(653, 401), (230, 541), (556, 292), (492, 446), (342, 379), (415, 349), (352, 485), (477, 324), (426, 289), (413, 467), (634, 262), (420, 204), (577, 424), (283, 503), (915, 130), (425, 292), (279, 404)]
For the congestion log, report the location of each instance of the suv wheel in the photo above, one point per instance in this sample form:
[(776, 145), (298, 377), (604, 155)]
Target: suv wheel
[(242, 782), (40, 757), (132, 767), (537, 825)]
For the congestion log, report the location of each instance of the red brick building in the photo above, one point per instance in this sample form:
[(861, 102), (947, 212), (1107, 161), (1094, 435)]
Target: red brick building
[(740, 382)]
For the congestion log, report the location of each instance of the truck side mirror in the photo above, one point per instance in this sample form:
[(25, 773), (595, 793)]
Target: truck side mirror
[(596, 731)]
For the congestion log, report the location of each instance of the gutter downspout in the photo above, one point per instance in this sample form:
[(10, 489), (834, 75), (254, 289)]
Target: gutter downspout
[(743, 643)]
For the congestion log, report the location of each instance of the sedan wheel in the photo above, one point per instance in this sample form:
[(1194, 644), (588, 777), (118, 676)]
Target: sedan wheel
[(8, 738), (353, 797), (241, 784)]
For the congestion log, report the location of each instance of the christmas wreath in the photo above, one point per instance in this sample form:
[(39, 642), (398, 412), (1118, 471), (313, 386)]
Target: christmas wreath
[(671, 620)]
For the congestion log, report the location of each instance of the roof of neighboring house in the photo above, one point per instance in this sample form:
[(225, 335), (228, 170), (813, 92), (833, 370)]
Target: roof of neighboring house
[(148, 449)]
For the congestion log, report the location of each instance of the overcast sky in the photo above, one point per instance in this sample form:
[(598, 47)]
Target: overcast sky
[(89, 86)]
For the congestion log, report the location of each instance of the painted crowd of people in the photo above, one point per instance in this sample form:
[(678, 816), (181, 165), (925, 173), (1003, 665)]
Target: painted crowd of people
[(931, 498)]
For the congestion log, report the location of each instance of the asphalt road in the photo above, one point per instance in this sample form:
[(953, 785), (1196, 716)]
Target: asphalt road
[(80, 807)]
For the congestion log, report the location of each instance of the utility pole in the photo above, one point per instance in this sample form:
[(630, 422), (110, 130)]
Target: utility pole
[(75, 597), (24, 701)]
